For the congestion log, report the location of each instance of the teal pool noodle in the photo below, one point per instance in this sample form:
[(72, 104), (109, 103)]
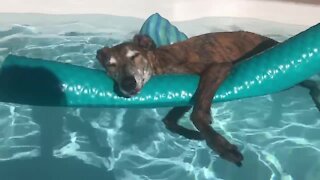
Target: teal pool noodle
[(47, 83)]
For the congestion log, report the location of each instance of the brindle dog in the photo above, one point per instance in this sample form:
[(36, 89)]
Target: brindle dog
[(211, 56)]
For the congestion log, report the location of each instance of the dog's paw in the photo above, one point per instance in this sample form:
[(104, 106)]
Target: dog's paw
[(225, 149)]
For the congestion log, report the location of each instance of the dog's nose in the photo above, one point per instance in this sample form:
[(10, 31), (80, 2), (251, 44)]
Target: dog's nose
[(129, 83)]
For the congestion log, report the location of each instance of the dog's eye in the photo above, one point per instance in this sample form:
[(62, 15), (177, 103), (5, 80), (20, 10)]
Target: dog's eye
[(111, 64), (134, 56)]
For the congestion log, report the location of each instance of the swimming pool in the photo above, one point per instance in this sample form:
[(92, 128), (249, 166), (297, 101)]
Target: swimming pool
[(278, 133)]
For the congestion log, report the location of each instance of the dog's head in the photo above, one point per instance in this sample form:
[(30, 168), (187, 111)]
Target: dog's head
[(128, 64)]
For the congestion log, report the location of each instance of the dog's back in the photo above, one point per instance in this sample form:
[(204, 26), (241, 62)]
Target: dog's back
[(219, 47), (195, 54)]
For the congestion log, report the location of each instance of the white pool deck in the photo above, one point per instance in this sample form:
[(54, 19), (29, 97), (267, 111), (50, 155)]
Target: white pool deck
[(306, 12)]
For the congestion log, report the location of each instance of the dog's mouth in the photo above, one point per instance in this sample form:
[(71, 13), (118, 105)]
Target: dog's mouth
[(126, 93), (131, 93), (129, 86)]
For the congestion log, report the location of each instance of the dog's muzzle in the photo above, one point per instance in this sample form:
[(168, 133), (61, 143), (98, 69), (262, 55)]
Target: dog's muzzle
[(129, 86)]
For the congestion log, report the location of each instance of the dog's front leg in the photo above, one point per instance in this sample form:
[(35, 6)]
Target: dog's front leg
[(210, 80), (171, 122)]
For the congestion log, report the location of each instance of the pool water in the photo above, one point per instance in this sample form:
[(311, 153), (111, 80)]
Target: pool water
[(278, 134)]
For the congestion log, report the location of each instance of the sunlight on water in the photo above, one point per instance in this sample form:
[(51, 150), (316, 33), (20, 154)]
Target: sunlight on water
[(278, 134)]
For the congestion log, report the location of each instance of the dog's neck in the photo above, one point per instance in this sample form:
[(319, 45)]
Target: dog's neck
[(166, 61), (156, 65)]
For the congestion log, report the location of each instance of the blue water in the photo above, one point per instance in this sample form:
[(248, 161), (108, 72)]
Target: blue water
[(278, 134)]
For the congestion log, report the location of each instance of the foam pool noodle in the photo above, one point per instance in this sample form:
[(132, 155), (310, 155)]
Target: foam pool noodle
[(47, 83)]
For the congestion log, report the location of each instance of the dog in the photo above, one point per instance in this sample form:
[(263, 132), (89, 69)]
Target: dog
[(211, 56)]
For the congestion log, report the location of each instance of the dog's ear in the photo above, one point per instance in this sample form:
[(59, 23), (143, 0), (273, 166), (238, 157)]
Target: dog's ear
[(144, 41), (103, 54)]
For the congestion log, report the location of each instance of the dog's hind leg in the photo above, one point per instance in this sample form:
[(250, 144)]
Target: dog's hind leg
[(171, 122), (210, 80)]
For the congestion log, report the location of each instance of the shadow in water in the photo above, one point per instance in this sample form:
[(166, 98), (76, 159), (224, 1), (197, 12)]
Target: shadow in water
[(51, 169), (40, 86), (47, 167), (30, 85), (137, 130), (75, 124)]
